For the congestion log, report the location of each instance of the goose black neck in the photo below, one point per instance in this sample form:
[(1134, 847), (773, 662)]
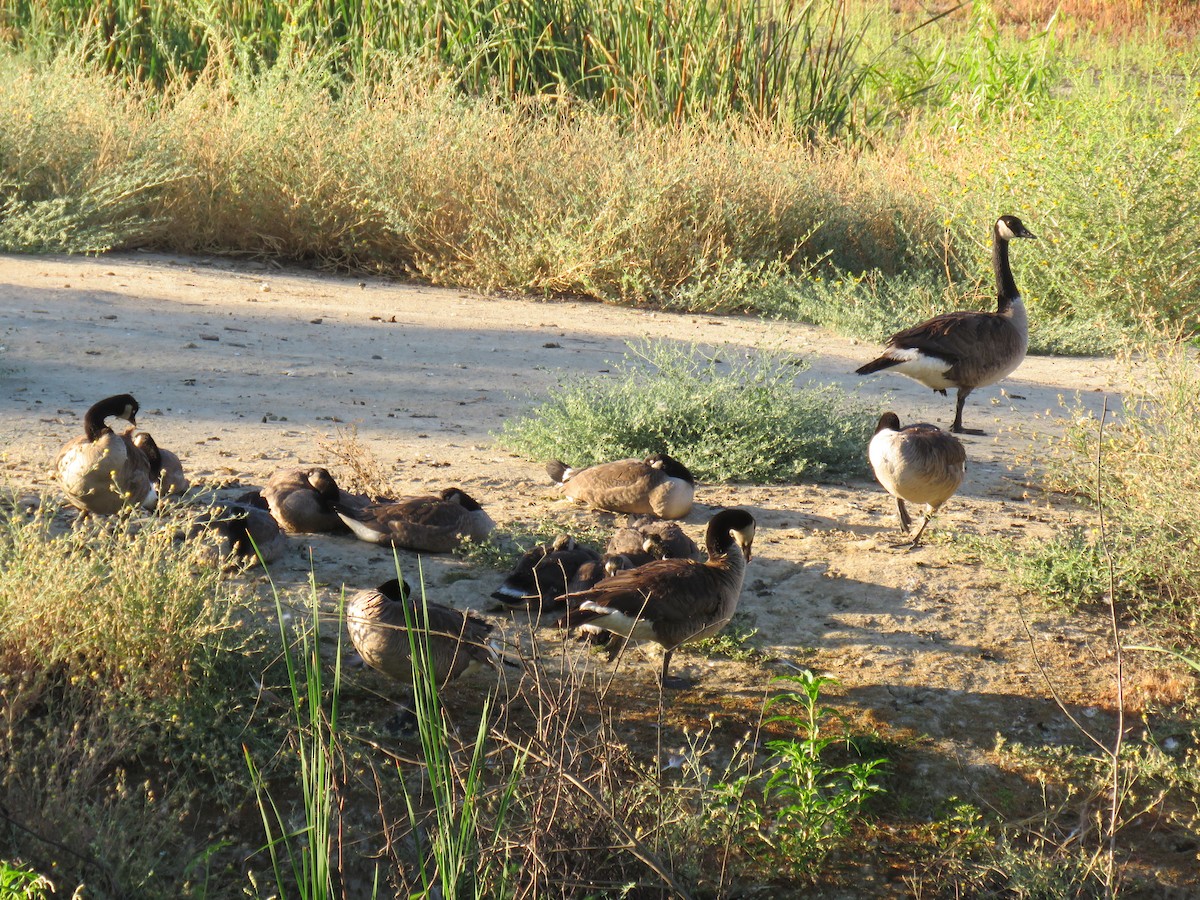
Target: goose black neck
[(1006, 287), (94, 419)]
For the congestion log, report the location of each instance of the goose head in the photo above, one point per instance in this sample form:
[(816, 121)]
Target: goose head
[(1010, 227), (729, 527), (889, 421), (670, 467), (147, 445), (463, 499), (120, 406), (322, 482), (395, 589)]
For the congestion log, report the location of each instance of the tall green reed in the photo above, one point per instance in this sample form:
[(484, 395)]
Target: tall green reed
[(792, 63), (309, 850)]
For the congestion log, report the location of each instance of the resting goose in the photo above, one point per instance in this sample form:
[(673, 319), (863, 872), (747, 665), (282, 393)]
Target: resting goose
[(167, 469), (590, 573), (433, 524), (966, 349), (378, 622), (302, 500), (918, 464), (102, 471), (246, 531), (673, 601), (644, 539), (542, 574), (657, 485)]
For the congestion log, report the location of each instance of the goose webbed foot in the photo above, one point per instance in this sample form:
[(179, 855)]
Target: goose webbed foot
[(957, 428)]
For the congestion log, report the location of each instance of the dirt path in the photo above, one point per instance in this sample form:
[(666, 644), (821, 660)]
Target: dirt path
[(241, 368)]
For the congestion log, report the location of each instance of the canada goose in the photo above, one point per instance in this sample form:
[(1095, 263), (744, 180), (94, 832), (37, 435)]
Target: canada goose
[(166, 467), (644, 538), (673, 601), (657, 485), (434, 524), (245, 530), (378, 622), (966, 349), (542, 574), (590, 573), (302, 500), (102, 471), (918, 464)]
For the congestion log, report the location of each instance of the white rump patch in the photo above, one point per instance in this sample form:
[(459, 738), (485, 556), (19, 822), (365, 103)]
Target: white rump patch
[(929, 370)]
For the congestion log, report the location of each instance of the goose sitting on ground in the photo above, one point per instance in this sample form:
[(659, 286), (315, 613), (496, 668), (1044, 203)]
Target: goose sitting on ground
[(658, 485), (433, 524), (302, 500), (168, 470), (918, 464), (587, 575), (245, 531), (644, 538), (378, 622), (672, 601), (542, 574), (102, 471), (967, 349)]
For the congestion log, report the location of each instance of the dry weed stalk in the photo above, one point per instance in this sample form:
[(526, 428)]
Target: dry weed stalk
[(365, 473), (1113, 754)]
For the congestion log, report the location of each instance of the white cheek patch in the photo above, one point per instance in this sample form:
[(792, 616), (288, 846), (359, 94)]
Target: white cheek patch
[(929, 370), (1003, 230)]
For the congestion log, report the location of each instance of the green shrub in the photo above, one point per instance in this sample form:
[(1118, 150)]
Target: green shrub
[(726, 420), (1149, 483), (120, 653)]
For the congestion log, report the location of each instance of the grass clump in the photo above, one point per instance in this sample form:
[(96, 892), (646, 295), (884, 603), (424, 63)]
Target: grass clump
[(738, 420), (122, 669), (1146, 467)]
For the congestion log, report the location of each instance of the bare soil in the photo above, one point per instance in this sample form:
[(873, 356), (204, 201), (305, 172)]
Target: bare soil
[(241, 368)]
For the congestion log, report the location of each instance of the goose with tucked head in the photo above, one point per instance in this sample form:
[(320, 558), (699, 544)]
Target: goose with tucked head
[(542, 574), (672, 601), (102, 471), (658, 485), (967, 349), (166, 467), (433, 524), (245, 531), (303, 500), (916, 464), (380, 623), (644, 538)]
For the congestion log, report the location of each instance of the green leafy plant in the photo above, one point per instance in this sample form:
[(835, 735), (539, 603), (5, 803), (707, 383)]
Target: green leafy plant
[(800, 804), (726, 420)]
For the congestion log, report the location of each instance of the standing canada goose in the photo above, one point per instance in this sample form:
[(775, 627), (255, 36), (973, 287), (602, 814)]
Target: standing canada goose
[(966, 349), (542, 574), (434, 524), (918, 464), (644, 538), (378, 627), (657, 485), (166, 466), (102, 471), (673, 601), (302, 500)]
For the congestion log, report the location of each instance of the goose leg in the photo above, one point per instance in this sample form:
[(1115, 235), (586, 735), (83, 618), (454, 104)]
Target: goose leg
[(674, 682), (957, 427), (905, 518), (920, 531)]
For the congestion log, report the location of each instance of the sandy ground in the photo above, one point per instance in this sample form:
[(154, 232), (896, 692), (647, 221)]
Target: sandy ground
[(242, 368)]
